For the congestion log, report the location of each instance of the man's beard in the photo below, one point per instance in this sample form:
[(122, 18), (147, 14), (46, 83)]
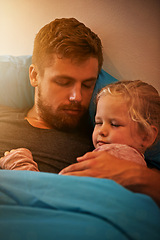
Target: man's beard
[(59, 118)]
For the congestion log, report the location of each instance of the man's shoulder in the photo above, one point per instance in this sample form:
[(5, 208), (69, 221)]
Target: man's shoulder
[(6, 111)]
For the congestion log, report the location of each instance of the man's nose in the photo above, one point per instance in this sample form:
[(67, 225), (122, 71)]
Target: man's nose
[(76, 94)]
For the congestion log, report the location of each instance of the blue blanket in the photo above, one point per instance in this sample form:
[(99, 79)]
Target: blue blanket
[(39, 206)]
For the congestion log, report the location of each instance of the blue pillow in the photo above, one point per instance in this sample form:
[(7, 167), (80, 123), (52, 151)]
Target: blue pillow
[(103, 79), (16, 91)]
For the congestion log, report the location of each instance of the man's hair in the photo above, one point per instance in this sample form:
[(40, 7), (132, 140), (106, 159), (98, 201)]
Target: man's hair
[(67, 38), (142, 99)]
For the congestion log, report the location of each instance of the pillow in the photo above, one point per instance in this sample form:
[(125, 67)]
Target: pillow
[(152, 155), (103, 79), (16, 91)]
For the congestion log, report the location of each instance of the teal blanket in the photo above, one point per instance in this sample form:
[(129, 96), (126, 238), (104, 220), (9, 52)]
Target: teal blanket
[(44, 206)]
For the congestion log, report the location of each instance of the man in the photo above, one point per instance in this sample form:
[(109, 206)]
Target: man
[(67, 59)]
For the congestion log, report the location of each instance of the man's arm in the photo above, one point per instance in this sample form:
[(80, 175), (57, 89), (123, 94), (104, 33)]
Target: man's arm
[(132, 176)]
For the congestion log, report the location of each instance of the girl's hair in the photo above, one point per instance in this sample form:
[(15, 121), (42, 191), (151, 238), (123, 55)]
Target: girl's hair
[(68, 38), (142, 99)]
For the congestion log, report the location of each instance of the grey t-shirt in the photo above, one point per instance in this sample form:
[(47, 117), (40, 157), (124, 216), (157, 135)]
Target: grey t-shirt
[(51, 149)]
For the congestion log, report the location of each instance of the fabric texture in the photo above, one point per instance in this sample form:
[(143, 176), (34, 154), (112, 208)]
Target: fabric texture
[(123, 152), (35, 205)]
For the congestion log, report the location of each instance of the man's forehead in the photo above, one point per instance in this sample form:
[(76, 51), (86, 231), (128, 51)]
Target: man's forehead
[(53, 58), (87, 69)]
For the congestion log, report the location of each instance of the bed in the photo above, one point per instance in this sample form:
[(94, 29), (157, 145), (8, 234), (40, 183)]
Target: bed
[(37, 205)]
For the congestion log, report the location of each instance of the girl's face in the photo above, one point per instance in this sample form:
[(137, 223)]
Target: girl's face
[(114, 125)]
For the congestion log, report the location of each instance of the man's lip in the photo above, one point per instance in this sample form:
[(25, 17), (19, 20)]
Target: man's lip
[(72, 111)]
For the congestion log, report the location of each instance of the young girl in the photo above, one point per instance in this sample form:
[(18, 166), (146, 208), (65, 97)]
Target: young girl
[(127, 122)]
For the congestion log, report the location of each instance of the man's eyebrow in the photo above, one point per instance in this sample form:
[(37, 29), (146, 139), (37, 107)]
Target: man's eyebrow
[(73, 79), (63, 76)]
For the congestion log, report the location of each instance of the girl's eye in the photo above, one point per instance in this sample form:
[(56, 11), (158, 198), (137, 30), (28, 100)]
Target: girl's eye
[(98, 123), (115, 125)]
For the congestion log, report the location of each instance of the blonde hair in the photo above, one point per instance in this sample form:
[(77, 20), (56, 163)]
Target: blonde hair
[(142, 99)]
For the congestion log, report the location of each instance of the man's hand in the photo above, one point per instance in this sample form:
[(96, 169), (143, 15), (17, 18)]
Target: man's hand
[(99, 164), (131, 175)]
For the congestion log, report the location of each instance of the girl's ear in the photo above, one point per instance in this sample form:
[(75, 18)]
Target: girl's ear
[(33, 75), (150, 137)]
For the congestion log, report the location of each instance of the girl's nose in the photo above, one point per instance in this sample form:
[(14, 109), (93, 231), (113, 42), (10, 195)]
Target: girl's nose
[(104, 130)]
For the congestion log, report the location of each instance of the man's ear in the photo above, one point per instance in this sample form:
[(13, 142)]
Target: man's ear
[(150, 137), (33, 73)]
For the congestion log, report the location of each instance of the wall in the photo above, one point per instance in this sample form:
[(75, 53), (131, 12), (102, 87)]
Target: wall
[(129, 30)]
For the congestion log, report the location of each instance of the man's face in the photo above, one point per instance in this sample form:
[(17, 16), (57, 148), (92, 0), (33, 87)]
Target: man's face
[(64, 91)]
